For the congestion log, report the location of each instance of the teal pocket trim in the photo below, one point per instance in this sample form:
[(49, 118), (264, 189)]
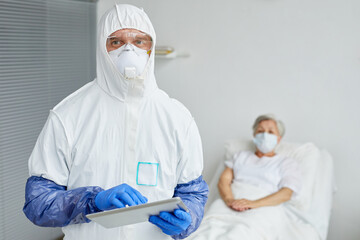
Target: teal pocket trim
[(137, 174)]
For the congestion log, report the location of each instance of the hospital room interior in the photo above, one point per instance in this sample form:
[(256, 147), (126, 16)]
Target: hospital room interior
[(227, 62)]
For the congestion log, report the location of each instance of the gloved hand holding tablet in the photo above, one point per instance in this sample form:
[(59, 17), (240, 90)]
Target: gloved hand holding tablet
[(143, 212), (172, 223), (119, 197)]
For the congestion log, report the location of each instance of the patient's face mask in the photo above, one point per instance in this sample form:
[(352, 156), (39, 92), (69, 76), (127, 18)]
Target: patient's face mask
[(265, 142), (129, 49)]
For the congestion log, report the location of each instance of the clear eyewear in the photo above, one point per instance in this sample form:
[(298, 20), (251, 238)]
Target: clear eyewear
[(140, 40)]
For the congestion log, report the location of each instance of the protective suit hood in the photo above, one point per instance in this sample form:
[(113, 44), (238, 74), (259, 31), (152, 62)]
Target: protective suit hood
[(109, 78)]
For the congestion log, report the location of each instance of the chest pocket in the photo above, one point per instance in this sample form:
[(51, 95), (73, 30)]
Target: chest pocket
[(147, 174)]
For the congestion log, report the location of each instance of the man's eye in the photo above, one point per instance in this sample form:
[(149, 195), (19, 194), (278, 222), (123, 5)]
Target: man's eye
[(115, 42)]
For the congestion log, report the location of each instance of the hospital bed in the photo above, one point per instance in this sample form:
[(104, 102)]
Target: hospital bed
[(313, 204)]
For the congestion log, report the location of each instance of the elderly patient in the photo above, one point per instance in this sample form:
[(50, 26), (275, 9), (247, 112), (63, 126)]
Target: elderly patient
[(263, 168), (252, 187)]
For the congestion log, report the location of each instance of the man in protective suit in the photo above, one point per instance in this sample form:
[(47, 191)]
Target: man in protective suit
[(119, 140)]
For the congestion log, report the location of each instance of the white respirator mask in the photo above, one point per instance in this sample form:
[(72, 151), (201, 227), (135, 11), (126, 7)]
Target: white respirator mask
[(265, 142), (129, 56)]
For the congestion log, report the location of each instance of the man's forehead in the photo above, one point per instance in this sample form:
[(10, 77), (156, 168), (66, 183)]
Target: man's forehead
[(126, 31)]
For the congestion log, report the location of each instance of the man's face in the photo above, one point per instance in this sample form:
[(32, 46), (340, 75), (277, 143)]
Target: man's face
[(129, 36)]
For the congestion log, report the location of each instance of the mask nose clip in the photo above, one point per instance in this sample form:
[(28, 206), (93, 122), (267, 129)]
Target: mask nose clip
[(128, 47)]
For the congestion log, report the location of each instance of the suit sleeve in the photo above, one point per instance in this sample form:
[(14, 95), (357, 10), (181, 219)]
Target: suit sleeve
[(48, 204), (191, 187), (51, 156), (47, 201), (194, 195)]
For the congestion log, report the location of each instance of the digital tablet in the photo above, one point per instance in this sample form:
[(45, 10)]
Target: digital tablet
[(135, 214)]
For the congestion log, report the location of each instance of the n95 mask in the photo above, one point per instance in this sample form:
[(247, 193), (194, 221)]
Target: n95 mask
[(265, 142), (129, 56)]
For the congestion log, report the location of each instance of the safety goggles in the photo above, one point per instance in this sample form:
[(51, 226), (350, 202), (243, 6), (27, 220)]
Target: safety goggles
[(138, 39)]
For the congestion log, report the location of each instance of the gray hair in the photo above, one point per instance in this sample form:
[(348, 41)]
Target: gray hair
[(279, 124)]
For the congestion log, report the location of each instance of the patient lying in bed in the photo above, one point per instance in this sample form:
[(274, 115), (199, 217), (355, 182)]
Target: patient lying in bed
[(253, 187), (274, 173)]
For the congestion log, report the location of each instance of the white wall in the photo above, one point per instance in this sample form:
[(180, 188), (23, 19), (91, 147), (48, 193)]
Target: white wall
[(299, 59)]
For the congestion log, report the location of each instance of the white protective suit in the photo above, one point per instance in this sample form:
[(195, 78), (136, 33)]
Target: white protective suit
[(115, 130)]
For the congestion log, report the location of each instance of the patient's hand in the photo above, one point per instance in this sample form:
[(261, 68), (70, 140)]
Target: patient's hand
[(243, 204), (229, 202)]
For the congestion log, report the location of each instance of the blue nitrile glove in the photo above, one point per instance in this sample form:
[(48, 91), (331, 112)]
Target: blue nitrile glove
[(172, 223), (119, 197)]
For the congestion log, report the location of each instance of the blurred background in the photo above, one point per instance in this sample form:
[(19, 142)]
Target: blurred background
[(234, 60)]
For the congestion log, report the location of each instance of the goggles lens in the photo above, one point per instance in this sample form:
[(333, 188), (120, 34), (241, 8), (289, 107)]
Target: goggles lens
[(140, 40)]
